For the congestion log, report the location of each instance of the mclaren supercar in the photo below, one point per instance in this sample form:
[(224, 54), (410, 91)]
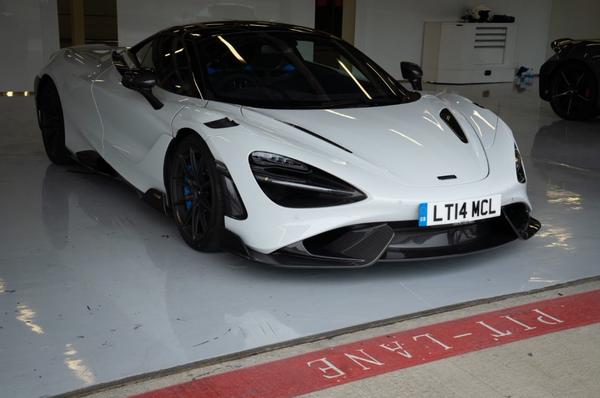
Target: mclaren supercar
[(287, 145)]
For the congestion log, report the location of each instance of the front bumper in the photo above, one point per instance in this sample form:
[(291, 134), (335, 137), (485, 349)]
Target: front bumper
[(363, 245)]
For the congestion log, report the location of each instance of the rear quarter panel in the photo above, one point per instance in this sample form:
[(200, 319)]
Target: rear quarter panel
[(73, 70)]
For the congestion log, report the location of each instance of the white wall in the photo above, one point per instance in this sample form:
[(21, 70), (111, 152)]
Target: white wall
[(577, 19), (138, 19), (390, 31), (28, 35)]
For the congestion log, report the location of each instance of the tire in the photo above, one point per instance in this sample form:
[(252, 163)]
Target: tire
[(195, 194), (51, 121), (574, 92)]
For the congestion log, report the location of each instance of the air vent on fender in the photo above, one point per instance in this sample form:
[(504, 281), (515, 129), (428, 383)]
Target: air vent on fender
[(448, 117)]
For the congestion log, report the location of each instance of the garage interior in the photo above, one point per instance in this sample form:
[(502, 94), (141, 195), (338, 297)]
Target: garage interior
[(98, 287)]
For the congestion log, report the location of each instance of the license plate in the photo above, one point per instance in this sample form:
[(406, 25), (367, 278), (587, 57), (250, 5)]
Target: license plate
[(459, 211)]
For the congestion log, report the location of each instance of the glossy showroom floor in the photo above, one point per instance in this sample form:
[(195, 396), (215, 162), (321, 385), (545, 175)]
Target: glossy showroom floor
[(96, 286)]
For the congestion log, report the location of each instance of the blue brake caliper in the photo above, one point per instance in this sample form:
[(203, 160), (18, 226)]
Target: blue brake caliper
[(186, 189)]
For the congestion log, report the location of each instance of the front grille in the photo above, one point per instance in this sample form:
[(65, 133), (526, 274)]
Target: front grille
[(413, 242), (364, 244)]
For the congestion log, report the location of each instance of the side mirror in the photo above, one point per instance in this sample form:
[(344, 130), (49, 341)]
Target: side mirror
[(124, 60), (142, 80), (413, 73), (139, 79)]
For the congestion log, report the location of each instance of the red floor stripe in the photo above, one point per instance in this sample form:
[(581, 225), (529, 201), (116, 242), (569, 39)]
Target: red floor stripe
[(350, 362)]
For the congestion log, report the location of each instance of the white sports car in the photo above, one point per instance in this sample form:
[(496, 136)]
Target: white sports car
[(287, 145)]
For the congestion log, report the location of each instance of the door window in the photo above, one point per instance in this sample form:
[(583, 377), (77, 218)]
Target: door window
[(173, 68)]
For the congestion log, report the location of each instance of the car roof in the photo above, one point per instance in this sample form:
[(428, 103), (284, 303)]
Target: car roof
[(209, 29), (234, 26)]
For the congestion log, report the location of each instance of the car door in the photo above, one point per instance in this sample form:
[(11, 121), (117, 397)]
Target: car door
[(135, 134)]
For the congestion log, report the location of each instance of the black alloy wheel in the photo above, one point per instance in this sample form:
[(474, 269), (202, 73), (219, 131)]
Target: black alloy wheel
[(196, 195), (574, 92), (51, 122)]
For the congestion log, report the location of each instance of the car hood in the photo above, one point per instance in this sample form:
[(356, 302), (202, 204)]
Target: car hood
[(409, 140)]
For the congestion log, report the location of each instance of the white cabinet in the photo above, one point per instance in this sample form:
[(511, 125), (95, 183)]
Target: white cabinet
[(455, 52)]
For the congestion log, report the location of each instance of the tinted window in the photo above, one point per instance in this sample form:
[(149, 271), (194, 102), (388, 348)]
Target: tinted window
[(172, 66), (289, 70)]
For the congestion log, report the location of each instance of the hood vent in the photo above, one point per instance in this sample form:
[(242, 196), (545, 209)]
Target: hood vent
[(448, 117), (221, 123), (447, 177)]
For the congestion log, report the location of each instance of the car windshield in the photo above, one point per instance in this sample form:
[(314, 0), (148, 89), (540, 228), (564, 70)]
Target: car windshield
[(292, 70)]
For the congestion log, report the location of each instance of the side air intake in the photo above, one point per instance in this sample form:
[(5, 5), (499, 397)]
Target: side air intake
[(448, 117)]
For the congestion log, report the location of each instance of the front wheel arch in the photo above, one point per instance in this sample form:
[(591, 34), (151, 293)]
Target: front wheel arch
[(195, 196), (180, 135)]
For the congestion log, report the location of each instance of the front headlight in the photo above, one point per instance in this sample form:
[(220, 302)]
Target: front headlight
[(291, 183), (519, 166)]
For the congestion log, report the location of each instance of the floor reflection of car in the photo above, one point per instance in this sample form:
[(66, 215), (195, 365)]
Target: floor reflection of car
[(569, 143)]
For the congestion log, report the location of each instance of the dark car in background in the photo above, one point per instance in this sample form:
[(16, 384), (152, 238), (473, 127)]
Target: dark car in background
[(570, 79)]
